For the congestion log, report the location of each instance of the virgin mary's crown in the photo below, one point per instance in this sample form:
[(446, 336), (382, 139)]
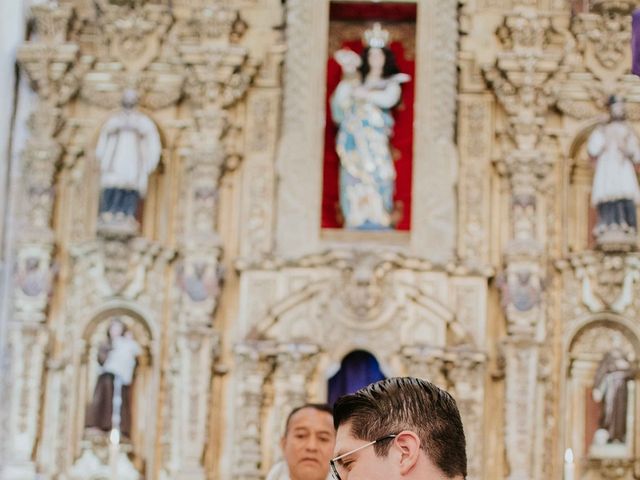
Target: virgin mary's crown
[(376, 37)]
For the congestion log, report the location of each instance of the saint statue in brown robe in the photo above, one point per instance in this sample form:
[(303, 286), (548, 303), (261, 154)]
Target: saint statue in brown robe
[(117, 359), (610, 388)]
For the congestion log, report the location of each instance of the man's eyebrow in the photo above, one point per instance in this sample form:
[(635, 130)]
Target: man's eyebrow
[(351, 455)]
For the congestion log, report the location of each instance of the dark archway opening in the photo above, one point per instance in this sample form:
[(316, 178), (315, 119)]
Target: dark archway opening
[(358, 369)]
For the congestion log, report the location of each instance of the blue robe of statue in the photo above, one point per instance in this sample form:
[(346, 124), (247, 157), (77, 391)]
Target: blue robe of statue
[(367, 173)]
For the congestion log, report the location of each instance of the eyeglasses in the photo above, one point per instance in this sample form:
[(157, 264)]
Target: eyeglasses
[(336, 465)]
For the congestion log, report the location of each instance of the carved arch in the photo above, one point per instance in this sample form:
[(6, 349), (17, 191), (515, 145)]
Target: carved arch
[(611, 321)]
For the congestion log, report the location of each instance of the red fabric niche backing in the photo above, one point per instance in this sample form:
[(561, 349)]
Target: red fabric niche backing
[(401, 142), (364, 11)]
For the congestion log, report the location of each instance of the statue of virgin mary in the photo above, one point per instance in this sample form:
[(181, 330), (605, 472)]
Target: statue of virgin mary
[(361, 106)]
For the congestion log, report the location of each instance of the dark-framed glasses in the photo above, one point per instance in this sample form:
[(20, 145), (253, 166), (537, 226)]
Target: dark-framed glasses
[(337, 467)]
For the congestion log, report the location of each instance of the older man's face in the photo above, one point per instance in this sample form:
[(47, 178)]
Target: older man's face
[(308, 444)]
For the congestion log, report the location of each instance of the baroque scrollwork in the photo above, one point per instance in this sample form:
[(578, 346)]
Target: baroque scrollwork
[(597, 63), (606, 282), (605, 34)]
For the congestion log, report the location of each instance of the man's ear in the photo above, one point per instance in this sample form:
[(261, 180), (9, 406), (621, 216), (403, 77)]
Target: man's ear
[(409, 445), (282, 442)]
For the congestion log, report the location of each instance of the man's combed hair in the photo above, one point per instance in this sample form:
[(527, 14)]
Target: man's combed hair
[(396, 404), (322, 407)]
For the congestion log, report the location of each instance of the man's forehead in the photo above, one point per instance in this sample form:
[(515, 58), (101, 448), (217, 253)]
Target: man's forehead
[(345, 441), (311, 418)]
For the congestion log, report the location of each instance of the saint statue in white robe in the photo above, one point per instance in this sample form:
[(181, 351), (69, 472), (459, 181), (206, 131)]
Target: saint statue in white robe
[(128, 150), (615, 192)]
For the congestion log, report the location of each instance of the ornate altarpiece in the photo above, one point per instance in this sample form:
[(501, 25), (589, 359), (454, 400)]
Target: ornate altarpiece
[(495, 295)]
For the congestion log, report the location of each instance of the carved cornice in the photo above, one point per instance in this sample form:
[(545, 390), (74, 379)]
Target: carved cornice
[(340, 258), (55, 71), (217, 75), (53, 64)]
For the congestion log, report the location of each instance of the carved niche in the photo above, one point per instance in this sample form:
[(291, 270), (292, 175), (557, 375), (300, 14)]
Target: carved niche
[(596, 341)]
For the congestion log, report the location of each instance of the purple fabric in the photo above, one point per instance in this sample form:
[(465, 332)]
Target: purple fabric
[(635, 42), (358, 370)]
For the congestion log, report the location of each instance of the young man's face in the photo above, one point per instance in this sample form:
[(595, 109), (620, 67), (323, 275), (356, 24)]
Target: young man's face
[(363, 464), (405, 460), (308, 444)]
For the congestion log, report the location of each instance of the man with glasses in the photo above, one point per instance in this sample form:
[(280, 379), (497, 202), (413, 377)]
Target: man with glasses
[(398, 429), (307, 444)]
